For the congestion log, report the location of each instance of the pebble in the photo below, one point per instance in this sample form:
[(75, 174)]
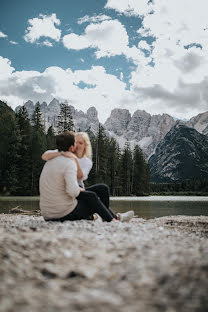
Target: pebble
[(144, 265)]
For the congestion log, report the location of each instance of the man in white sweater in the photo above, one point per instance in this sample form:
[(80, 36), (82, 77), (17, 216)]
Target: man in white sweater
[(58, 182), (59, 189)]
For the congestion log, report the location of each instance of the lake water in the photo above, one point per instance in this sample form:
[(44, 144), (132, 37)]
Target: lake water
[(144, 207)]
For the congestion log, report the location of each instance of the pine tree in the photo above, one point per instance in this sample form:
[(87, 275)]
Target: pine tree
[(140, 174), (37, 119), (38, 147), (65, 120), (101, 155), (126, 170), (24, 152), (50, 138), (9, 146), (113, 167)]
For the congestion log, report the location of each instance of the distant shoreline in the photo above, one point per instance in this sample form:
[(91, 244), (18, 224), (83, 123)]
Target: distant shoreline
[(142, 197)]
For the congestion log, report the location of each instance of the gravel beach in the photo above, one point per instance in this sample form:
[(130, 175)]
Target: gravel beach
[(143, 265)]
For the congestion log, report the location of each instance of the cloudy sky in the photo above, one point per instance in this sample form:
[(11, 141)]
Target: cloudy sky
[(136, 54)]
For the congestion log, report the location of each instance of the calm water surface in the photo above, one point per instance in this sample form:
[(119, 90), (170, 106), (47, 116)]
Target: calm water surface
[(144, 207), (159, 206)]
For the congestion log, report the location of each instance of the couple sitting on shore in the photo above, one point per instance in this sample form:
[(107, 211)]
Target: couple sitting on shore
[(62, 192)]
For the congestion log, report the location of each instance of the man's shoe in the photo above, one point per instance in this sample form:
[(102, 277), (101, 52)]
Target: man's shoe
[(126, 216)]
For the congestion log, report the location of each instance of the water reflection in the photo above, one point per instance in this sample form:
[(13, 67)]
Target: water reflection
[(152, 209), (149, 207)]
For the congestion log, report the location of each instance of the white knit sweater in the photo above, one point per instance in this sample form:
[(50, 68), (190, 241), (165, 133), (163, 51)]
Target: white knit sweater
[(58, 188)]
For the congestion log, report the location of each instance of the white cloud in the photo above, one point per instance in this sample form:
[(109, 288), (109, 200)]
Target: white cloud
[(93, 19), (6, 68), (108, 38), (2, 35), (130, 7), (185, 99), (47, 43), (191, 60), (13, 42), (177, 84), (75, 42), (144, 45), (38, 89), (43, 26), (183, 21), (107, 93), (174, 31), (175, 81)]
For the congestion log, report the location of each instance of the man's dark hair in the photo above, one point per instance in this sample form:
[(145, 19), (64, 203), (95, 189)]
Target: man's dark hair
[(65, 140)]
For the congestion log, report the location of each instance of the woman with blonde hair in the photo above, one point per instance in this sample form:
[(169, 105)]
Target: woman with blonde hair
[(83, 158), (83, 151)]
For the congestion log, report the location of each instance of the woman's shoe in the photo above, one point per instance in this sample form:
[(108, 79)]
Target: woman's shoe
[(126, 216)]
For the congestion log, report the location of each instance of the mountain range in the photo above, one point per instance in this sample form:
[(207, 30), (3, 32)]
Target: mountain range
[(181, 155), (139, 128)]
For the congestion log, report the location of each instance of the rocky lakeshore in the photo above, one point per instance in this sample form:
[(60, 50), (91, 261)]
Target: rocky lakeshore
[(143, 265)]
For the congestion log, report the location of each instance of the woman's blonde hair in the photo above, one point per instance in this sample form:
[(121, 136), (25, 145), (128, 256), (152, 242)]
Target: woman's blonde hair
[(88, 147)]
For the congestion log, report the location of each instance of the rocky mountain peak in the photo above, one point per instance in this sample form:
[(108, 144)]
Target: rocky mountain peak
[(179, 124), (92, 112), (199, 122), (29, 105), (44, 107), (72, 109), (118, 121), (53, 103), (139, 124), (141, 113), (54, 107)]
